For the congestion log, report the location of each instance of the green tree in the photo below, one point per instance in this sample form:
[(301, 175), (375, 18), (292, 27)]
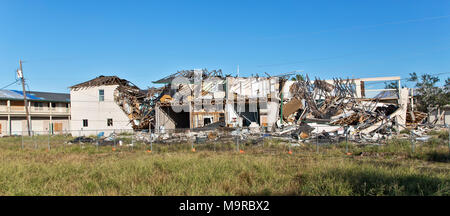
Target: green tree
[(429, 96), (298, 77), (392, 85), (447, 86)]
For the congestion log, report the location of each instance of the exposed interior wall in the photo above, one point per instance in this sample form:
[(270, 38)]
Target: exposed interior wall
[(250, 116), (251, 87), (263, 114), (254, 89), (168, 119), (435, 114), (163, 121), (231, 117), (201, 119), (403, 106), (273, 113), (286, 89)]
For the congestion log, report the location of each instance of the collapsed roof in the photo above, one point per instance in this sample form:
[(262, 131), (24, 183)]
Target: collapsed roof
[(189, 74), (134, 102), (103, 81), (333, 102)]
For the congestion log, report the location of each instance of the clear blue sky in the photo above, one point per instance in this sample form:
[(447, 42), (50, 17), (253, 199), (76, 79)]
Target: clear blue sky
[(68, 42)]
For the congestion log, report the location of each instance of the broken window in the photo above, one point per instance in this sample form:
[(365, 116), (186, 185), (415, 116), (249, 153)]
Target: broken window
[(207, 120), (85, 122), (101, 95), (109, 122)]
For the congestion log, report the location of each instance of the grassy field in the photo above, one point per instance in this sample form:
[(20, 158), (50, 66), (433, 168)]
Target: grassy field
[(264, 169)]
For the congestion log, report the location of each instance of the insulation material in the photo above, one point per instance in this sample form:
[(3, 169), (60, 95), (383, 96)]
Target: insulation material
[(233, 117), (250, 87), (291, 107), (418, 117), (403, 103), (286, 89), (273, 115), (319, 128)]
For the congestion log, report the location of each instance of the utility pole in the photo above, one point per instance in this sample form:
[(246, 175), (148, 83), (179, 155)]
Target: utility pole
[(20, 75)]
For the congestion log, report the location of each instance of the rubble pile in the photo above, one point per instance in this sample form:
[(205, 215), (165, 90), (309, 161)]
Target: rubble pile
[(137, 104), (309, 109), (337, 104)]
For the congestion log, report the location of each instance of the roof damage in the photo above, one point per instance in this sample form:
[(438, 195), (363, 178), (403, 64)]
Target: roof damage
[(304, 108)]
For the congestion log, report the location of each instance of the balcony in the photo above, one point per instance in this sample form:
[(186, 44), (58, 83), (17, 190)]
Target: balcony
[(35, 110)]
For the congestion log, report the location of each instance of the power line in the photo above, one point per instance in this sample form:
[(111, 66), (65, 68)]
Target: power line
[(355, 27), (314, 60), (387, 23), (10, 84)]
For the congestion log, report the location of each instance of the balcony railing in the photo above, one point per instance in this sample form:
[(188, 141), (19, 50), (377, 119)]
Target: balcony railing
[(36, 110)]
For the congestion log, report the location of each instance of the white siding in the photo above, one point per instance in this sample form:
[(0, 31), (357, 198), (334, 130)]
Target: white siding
[(16, 127), (85, 104), (38, 126), (4, 127)]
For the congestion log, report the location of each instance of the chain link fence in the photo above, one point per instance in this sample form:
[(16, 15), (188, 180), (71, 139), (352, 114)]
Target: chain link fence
[(242, 140)]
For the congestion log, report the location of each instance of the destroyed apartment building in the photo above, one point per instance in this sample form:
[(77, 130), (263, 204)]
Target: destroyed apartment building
[(277, 102), (216, 100), (277, 105), (106, 104)]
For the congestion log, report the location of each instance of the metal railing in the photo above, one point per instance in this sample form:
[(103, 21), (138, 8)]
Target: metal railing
[(33, 109)]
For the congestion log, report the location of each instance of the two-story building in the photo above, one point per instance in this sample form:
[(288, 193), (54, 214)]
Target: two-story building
[(94, 109), (49, 112)]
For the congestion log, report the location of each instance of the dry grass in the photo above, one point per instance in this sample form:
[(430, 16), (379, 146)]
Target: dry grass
[(268, 170)]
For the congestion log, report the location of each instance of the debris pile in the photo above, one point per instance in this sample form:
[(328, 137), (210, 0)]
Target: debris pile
[(137, 104), (321, 109), (336, 103), (200, 105)]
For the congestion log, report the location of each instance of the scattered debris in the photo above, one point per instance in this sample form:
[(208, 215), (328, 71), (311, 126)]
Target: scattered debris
[(81, 139), (272, 106)]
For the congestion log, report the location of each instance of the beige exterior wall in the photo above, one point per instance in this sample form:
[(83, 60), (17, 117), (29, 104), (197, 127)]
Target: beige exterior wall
[(39, 125), (41, 117), (85, 104), (42, 125), (4, 126)]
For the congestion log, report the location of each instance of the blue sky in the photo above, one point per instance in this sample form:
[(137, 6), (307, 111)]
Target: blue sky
[(71, 41)]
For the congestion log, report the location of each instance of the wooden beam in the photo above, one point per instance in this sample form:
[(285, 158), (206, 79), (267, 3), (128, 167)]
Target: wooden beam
[(380, 78)]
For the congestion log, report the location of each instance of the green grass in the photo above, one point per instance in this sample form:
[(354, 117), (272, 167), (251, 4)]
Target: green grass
[(264, 169), (441, 134)]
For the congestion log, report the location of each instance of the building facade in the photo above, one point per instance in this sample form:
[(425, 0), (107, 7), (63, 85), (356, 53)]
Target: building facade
[(94, 109), (247, 101), (49, 112)]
